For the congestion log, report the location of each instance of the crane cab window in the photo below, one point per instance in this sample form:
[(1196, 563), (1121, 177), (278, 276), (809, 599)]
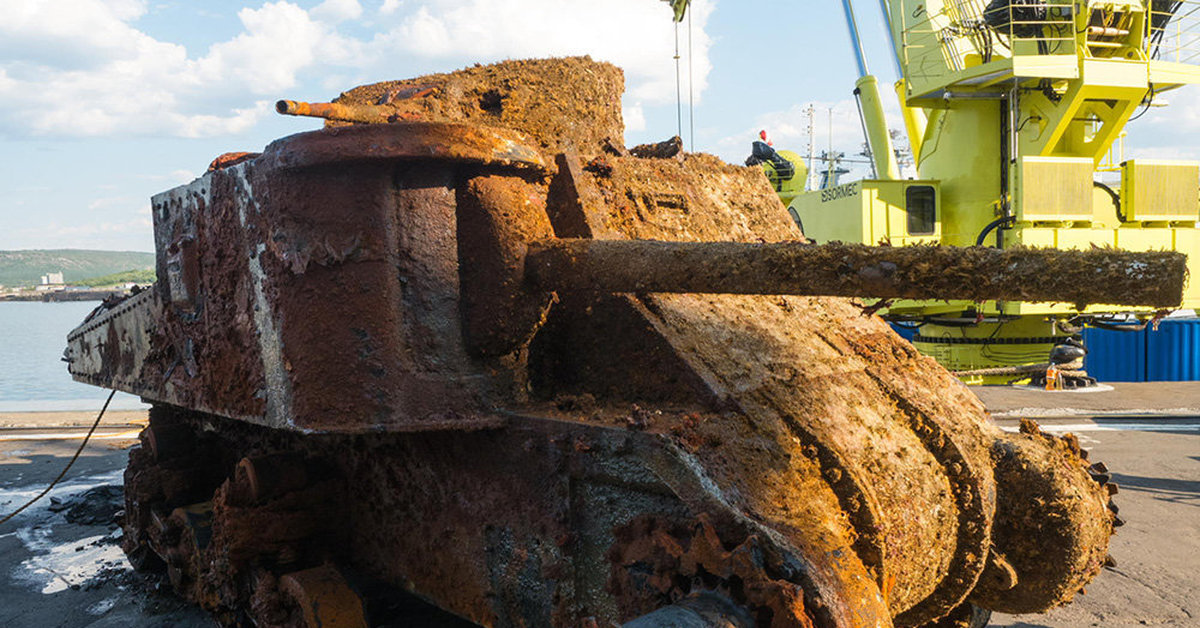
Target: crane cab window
[(921, 206)]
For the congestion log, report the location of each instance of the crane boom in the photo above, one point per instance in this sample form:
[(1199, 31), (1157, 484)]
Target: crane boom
[(883, 155)]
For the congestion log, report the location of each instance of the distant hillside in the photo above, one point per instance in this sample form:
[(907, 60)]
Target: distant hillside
[(141, 277), (25, 268)]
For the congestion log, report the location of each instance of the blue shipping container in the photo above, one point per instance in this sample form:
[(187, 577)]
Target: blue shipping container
[(1115, 356), (907, 332), (1173, 352)]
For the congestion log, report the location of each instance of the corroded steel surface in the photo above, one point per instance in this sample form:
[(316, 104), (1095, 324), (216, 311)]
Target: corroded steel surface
[(428, 141), (784, 367), (497, 216), (571, 103), (344, 332), (313, 287)]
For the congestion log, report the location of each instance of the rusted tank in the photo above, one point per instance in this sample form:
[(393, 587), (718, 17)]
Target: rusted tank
[(397, 357)]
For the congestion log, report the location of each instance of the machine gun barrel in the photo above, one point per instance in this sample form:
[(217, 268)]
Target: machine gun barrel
[(357, 113), (1154, 279)]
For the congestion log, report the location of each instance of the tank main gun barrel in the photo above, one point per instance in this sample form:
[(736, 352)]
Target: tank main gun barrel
[(1106, 276)]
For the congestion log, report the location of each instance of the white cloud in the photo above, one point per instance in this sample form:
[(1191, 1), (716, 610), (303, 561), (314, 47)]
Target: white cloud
[(126, 9), (635, 117), (423, 32), (337, 11), (68, 33), (134, 84), (240, 121), (280, 39), (81, 67), (634, 34)]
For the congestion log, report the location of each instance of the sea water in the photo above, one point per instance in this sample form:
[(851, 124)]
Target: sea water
[(33, 377)]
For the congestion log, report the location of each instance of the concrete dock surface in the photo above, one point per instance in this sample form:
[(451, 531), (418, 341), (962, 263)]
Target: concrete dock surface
[(1133, 398), (60, 560), (1156, 462), (61, 565)]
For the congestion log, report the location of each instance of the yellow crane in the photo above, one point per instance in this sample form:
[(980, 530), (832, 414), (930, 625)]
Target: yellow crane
[(1011, 107)]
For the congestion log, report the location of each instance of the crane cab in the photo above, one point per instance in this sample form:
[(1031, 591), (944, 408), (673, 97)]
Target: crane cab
[(872, 211)]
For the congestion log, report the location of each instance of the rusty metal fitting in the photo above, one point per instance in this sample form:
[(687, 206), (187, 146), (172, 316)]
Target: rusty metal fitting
[(496, 216)]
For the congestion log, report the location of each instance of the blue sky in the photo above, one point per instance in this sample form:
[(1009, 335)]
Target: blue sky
[(106, 102)]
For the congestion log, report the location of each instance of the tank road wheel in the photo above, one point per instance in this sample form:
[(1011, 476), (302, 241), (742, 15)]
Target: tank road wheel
[(323, 599), (318, 597), (245, 533), (182, 541), (172, 467)]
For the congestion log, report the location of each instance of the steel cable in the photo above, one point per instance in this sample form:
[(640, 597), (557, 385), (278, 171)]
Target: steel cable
[(63, 473)]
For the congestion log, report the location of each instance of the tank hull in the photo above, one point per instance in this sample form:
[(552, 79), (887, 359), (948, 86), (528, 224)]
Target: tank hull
[(354, 388)]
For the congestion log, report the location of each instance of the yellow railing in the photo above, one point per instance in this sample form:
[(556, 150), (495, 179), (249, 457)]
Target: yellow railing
[(1174, 31), (960, 34), (1037, 28), (965, 33)]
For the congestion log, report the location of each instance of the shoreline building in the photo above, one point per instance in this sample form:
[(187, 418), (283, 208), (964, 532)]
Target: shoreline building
[(52, 281)]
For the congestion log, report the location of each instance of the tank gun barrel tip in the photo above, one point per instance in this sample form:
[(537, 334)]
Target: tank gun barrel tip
[(287, 107)]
